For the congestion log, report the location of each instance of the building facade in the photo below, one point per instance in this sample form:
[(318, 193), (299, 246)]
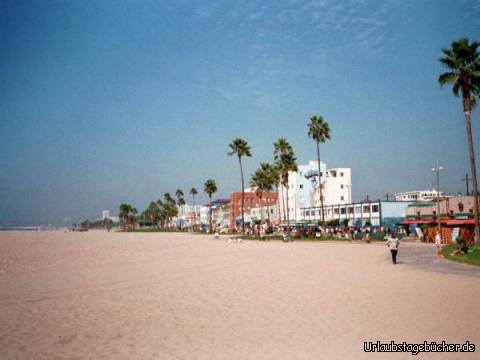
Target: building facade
[(419, 195), (304, 191), (376, 213), (252, 200)]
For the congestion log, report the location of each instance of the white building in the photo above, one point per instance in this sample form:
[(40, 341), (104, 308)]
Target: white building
[(376, 213), (336, 187), (303, 189), (269, 212), (188, 215), (419, 195), (105, 214)]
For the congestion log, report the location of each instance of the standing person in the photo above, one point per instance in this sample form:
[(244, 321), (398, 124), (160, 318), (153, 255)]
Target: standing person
[(438, 243), (393, 243)]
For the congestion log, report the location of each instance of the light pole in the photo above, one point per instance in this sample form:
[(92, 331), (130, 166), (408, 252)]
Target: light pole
[(437, 169)]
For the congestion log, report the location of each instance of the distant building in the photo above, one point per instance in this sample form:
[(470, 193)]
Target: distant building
[(456, 218), (188, 216), (419, 195), (304, 190), (105, 214), (376, 213), (252, 200)]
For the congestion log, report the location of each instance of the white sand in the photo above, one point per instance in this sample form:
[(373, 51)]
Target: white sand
[(177, 296)]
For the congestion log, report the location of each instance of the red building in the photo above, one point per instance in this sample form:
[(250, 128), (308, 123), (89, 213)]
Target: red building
[(251, 200)]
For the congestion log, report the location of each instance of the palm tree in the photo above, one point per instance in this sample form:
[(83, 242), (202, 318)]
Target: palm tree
[(179, 194), (281, 147), (463, 61), (126, 213), (210, 187), (319, 131), (263, 181), (287, 162), (194, 192), (240, 148)]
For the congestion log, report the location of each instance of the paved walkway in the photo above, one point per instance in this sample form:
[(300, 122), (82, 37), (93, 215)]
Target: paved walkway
[(424, 256)]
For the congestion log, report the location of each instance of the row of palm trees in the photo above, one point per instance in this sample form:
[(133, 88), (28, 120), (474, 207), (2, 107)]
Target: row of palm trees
[(268, 175), (463, 61)]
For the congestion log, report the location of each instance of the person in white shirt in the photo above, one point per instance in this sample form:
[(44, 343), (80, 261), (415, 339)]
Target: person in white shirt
[(393, 242), (438, 240)]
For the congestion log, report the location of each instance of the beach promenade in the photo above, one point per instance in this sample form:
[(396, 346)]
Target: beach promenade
[(100, 295)]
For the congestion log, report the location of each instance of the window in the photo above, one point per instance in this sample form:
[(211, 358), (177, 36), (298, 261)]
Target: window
[(342, 198), (341, 174), (374, 208), (301, 186), (358, 209), (335, 211), (350, 209), (342, 211), (366, 208), (341, 186)]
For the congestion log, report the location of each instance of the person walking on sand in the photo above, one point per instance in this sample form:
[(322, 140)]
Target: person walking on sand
[(393, 242)]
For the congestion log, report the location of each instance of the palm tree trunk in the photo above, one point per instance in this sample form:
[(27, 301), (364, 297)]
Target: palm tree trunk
[(288, 210), (283, 203), (320, 185), (194, 213), (278, 204), (210, 213), (243, 194), (473, 167)]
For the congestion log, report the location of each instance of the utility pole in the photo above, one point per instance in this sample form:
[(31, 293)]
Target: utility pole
[(467, 180), (387, 195), (437, 169)]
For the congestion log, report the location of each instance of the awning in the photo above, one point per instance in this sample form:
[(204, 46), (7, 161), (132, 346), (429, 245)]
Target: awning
[(454, 222), (409, 222)]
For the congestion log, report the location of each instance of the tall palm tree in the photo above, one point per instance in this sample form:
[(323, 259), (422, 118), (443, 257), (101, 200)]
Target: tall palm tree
[(463, 61), (281, 146), (240, 148), (210, 187), (319, 131), (194, 192), (287, 162), (126, 213)]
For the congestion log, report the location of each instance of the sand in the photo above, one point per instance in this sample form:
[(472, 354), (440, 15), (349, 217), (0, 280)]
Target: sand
[(100, 295)]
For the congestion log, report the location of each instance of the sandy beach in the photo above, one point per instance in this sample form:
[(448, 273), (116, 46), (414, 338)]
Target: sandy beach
[(100, 295)]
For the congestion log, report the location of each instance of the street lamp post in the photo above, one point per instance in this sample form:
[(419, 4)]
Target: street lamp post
[(437, 169)]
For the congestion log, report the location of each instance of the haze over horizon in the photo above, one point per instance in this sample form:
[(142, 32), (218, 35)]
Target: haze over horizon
[(104, 102)]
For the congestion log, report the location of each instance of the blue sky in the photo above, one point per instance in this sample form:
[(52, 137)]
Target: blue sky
[(103, 102)]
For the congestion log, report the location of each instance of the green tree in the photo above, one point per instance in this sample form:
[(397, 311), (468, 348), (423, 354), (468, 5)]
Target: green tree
[(240, 148), (126, 214), (262, 181), (281, 146), (210, 187), (286, 163), (319, 131), (463, 61)]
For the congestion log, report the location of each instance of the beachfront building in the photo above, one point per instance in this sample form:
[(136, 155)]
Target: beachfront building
[(419, 195), (252, 200), (336, 188), (455, 217), (188, 216), (205, 211), (221, 215), (304, 192), (264, 213), (301, 185), (366, 213)]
